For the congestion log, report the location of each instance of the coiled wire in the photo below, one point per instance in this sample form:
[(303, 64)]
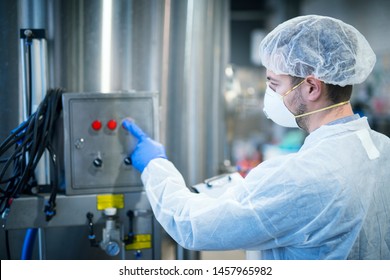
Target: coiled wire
[(21, 151)]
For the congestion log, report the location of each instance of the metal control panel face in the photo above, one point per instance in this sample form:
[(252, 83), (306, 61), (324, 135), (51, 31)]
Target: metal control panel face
[(97, 147)]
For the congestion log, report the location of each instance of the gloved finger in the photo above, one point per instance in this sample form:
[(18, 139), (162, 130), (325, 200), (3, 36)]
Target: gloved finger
[(134, 129)]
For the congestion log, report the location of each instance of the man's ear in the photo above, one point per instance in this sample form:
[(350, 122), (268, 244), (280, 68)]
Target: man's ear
[(315, 88)]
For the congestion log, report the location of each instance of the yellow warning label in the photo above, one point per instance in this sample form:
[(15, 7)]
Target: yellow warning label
[(141, 241), (104, 201)]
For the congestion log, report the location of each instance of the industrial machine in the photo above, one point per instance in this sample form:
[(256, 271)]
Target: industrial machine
[(96, 186), (66, 177), (111, 58)]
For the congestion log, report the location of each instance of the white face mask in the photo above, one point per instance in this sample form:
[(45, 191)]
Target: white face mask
[(275, 109)]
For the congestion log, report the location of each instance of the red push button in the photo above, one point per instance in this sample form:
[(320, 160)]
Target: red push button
[(96, 125), (111, 124)]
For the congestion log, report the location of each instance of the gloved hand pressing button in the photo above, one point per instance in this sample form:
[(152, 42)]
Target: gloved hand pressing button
[(146, 148)]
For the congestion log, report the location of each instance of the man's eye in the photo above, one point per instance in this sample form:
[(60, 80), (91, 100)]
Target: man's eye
[(270, 83), (273, 86)]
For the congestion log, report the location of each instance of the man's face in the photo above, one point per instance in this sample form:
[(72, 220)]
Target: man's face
[(282, 85), (292, 97)]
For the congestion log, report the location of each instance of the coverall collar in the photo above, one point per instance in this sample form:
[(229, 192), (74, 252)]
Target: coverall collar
[(327, 131)]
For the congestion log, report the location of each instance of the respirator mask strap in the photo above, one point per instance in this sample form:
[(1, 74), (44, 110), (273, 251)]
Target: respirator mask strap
[(323, 109)]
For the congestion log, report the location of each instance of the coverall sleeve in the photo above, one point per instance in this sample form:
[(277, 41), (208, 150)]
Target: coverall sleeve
[(198, 221)]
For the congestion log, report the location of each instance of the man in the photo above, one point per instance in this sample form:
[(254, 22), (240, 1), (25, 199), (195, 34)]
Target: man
[(331, 199)]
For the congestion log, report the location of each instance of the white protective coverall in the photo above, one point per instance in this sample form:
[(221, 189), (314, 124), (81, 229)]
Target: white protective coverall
[(330, 200)]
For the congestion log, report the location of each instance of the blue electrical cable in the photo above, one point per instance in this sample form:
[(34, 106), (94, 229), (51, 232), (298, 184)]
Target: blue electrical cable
[(28, 244)]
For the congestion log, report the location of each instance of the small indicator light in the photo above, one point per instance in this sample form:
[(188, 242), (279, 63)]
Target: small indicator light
[(111, 124), (96, 125)]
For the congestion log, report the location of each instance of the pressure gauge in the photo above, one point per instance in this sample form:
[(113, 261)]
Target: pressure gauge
[(112, 248)]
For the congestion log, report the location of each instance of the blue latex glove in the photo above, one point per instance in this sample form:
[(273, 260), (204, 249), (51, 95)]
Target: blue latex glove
[(146, 149)]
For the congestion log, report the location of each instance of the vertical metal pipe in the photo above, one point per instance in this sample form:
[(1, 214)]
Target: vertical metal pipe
[(25, 59), (41, 244), (165, 70), (191, 119), (195, 119), (32, 13), (196, 86), (216, 130), (33, 58)]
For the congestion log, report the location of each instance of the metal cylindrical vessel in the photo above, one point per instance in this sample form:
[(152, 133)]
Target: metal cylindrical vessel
[(194, 112), (107, 45)]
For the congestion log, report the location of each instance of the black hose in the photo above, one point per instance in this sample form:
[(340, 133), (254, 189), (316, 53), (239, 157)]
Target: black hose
[(25, 146)]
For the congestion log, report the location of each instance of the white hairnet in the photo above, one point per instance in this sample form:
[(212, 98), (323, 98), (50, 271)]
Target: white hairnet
[(327, 48)]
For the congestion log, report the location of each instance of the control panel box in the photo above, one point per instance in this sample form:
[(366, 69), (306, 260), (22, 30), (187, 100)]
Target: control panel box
[(97, 147)]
